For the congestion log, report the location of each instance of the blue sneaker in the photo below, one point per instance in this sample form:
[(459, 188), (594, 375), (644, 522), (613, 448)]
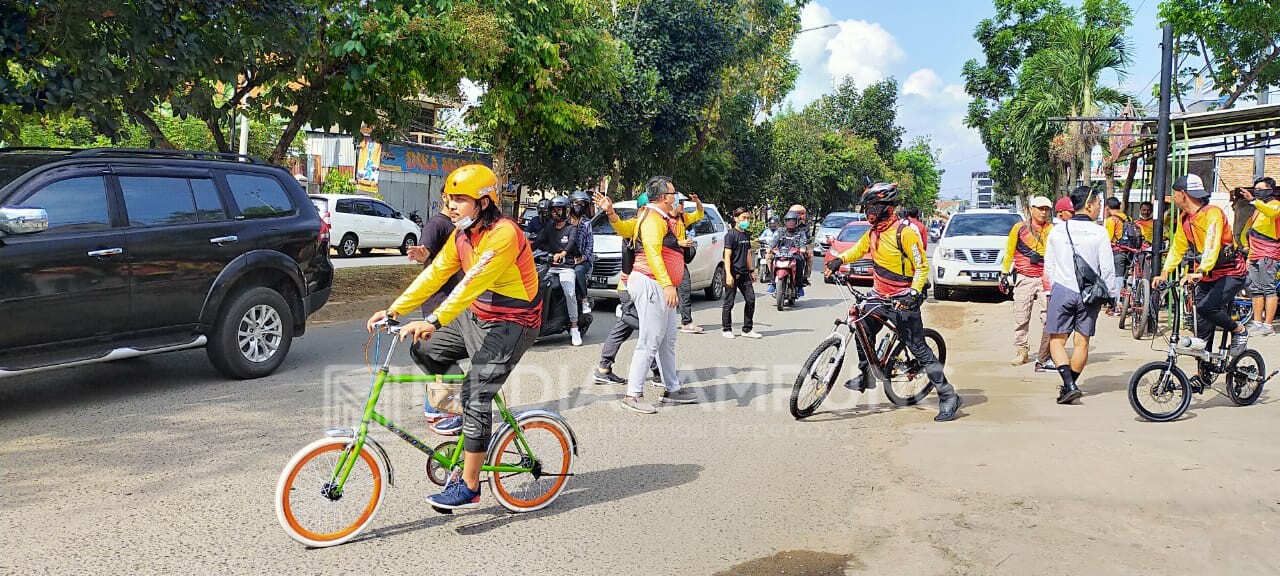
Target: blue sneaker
[(771, 289), (456, 496), (450, 426), (800, 292)]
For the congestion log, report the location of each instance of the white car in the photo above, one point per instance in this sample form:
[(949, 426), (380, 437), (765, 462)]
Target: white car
[(706, 272), (830, 227), (361, 223), (969, 254)]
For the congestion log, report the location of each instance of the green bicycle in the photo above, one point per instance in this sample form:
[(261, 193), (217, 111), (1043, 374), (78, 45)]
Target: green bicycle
[(330, 490)]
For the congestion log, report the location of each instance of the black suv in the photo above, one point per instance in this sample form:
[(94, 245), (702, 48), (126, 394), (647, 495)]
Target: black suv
[(113, 253)]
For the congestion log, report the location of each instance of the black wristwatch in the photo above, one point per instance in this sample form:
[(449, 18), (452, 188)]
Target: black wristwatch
[(433, 320)]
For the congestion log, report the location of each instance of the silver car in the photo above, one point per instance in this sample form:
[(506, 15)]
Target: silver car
[(830, 228)]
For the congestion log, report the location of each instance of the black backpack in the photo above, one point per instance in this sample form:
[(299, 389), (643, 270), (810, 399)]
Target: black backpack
[(1131, 235)]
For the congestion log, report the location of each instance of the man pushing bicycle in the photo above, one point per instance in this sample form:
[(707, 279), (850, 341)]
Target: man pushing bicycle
[(492, 316), (900, 270)]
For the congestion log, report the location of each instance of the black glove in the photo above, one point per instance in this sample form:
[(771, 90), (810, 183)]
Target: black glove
[(910, 301), (834, 265)]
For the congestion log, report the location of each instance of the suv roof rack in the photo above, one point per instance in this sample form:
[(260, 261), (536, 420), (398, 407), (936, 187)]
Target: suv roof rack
[(13, 149), (197, 155)]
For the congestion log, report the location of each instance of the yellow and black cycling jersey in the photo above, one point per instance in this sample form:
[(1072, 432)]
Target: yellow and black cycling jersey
[(899, 262), (501, 280), (1208, 233), (1262, 237), (1115, 227)]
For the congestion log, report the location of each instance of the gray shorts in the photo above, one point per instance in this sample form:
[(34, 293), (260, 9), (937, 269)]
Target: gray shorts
[(1067, 313), (1262, 277)]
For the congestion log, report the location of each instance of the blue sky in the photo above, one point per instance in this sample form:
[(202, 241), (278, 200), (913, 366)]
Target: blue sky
[(924, 45)]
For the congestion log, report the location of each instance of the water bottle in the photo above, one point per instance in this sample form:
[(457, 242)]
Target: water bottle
[(1191, 343), (882, 348)]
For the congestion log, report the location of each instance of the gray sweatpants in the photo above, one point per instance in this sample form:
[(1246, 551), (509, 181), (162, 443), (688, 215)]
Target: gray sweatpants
[(658, 329)]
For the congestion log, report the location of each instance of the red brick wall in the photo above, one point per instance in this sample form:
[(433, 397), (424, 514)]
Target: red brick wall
[(1236, 171)]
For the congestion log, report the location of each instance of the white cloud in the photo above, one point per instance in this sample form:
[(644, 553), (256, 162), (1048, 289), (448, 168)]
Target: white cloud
[(922, 82), (861, 50)]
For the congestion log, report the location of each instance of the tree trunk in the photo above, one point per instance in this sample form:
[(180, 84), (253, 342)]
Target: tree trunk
[(1107, 169), (158, 139), (615, 179), (1128, 182), (219, 139), (286, 139)]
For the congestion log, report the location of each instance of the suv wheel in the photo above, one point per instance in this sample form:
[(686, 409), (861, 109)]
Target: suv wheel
[(349, 245), (252, 335), (409, 240), (716, 290)]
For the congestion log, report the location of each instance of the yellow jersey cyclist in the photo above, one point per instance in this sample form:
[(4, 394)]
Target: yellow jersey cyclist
[(1262, 240), (899, 272), (492, 316), (1221, 272)]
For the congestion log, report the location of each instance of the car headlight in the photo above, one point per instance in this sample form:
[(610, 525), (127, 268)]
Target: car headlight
[(946, 254)]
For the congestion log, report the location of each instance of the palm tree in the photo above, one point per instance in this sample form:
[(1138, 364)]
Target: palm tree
[(1064, 80)]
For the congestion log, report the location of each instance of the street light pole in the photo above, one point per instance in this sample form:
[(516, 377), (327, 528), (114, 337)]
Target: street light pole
[(1161, 166)]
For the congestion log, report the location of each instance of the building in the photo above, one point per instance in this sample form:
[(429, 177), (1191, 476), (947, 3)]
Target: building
[(981, 190)]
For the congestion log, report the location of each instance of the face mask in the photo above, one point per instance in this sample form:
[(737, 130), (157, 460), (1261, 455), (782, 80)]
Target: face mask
[(1264, 195), (464, 222), (744, 225)]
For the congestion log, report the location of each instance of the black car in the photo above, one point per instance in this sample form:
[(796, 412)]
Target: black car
[(113, 253)]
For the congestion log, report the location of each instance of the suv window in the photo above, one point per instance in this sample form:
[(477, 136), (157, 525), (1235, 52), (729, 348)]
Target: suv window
[(982, 224), (74, 204), (709, 224), (259, 196), (364, 208), (346, 206), (383, 210), (208, 205), (158, 201)]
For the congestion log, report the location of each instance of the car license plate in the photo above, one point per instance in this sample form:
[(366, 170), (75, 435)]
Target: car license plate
[(598, 281), (985, 276)]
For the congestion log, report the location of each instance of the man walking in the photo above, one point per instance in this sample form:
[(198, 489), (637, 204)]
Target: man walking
[(628, 321), (1024, 259), (1077, 267), (658, 269), (741, 276)]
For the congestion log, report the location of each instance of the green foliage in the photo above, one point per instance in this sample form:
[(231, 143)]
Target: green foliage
[(871, 113), (1237, 42), (821, 168), (336, 182), (920, 180)]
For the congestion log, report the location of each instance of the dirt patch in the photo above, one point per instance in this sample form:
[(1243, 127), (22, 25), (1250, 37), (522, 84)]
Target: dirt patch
[(945, 316), (359, 292), (799, 562)]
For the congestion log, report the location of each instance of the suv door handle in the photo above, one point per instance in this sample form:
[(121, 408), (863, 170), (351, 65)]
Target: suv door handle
[(224, 240), (106, 252)]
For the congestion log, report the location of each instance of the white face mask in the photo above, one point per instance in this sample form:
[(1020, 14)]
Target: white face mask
[(466, 222)]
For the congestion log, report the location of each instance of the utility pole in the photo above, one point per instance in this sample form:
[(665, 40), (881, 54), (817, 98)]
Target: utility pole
[(1162, 143), (244, 134), (1260, 154)]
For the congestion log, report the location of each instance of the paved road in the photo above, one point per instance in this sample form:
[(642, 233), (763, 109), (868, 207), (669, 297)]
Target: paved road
[(159, 465)]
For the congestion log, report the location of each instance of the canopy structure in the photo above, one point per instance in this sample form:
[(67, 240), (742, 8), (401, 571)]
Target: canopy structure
[(1211, 132)]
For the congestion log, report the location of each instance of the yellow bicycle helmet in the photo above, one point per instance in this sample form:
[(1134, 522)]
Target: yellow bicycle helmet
[(473, 180)]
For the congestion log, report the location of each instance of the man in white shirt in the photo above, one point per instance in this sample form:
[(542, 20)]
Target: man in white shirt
[(1081, 237)]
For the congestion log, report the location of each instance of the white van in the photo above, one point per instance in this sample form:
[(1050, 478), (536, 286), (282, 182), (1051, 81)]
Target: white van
[(706, 272), (361, 223)]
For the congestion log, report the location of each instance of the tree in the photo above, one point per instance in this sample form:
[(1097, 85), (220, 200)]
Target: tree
[(557, 62), (821, 168), (352, 64), (1238, 41), (919, 161), (871, 113)]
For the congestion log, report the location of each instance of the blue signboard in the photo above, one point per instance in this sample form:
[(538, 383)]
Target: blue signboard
[(405, 159)]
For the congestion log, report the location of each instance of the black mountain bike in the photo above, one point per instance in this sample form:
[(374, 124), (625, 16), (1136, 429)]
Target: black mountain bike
[(890, 362), (1161, 391)]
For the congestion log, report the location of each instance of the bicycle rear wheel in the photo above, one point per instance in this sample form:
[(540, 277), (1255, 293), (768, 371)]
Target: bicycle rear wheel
[(1244, 377), (550, 455), (816, 378), (1140, 319), (1125, 306), (308, 509), (1158, 393), (908, 383)]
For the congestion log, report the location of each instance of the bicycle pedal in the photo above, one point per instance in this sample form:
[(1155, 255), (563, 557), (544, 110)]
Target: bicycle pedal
[(442, 510)]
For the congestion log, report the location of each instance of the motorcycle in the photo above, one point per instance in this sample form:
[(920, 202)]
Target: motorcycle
[(762, 261), (787, 262), (555, 316)]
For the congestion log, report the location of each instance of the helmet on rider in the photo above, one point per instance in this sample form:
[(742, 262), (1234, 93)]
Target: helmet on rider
[(580, 204), (559, 208), (544, 209), (792, 219), (799, 209), (773, 222), (878, 202), (475, 181)]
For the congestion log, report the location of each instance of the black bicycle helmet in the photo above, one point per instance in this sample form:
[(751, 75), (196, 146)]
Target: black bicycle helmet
[(773, 220), (880, 193)]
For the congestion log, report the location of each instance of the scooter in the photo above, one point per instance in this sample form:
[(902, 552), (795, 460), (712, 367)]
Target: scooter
[(787, 261), (555, 316), (415, 218), (762, 262)]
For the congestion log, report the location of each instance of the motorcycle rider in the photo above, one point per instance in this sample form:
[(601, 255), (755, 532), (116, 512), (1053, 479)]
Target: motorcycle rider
[(539, 220), (899, 273), (581, 209), (795, 236), (560, 240)]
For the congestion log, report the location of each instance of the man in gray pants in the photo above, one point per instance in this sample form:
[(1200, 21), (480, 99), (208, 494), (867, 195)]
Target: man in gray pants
[(622, 329)]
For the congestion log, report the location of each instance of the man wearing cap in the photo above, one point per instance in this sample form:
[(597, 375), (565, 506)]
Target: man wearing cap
[(1063, 210), (1024, 258), (1220, 273)]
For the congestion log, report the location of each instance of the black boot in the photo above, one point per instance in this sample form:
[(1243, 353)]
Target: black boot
[(1069, 393), (860, 383), (948, 402)]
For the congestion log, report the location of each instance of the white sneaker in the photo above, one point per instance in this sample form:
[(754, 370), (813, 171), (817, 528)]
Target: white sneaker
[(752, 334), (1262, 330), (576, 336), (727, 335), (586, 307)]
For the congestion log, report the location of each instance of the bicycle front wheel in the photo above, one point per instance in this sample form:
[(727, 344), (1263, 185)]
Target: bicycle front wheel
[(1245, 374), (908, 383), (816, 378), (311, 510), (549, 454), (1159, 393), (1125, 306)]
